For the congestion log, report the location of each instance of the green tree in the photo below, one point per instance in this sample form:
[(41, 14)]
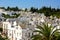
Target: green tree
[(16, 8), (25, 9), (8, 8), (34, 9), (2, 7), (46, 32)]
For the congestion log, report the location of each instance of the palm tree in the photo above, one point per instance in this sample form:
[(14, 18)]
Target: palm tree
[(46, 32)]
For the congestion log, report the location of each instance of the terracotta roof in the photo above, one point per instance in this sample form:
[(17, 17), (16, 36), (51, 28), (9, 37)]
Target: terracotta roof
[(23, 25)]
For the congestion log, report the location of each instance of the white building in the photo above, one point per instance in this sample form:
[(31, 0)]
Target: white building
[(13, 30)]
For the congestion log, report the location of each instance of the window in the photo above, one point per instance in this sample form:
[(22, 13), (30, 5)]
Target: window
[(10, 34), (14, 31), (12, 26), (20, 33), (29, 24), (20, 39), (16, 39), (0, 19), (29, 34), (32, 33), (25, 34), (17, 34), (16, 27)]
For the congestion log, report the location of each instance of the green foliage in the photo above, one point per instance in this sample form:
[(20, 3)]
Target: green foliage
[(8, 16), (48, 11), (1, 38), (25, 9), (33, 9), (2, 7), (12, 9), (46, 32)]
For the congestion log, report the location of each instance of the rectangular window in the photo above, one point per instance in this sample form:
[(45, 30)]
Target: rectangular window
[(12, 26)]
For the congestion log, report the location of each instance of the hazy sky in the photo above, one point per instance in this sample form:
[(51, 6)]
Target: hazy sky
[(30, 3)]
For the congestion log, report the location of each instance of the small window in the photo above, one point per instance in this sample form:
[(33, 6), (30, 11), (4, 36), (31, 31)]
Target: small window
[(14, 31), (29, 24), (32, 33), (29, 34), (20, 39), (12, 26), (16, 39), (20, 33), (10, 34), (0, 19), (16, 27)]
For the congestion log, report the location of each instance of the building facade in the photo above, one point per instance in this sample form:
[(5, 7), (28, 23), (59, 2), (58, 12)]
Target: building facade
[(13, 30)]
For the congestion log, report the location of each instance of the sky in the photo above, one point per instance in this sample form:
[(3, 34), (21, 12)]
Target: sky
[(30, 3)]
